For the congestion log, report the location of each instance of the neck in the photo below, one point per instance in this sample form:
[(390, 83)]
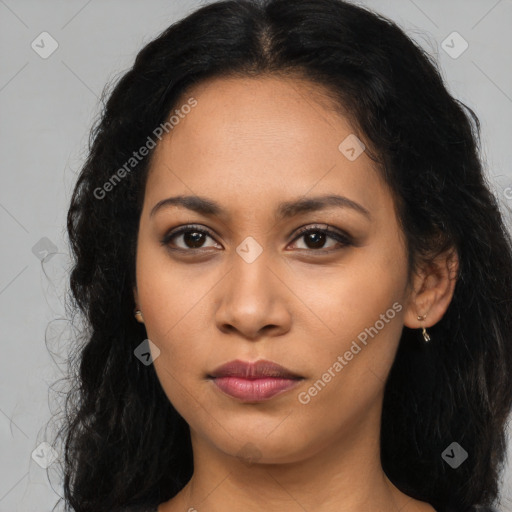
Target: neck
[(344, 474)]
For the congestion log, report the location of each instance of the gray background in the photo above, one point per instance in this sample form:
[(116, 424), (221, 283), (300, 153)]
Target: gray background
[(48, 106)]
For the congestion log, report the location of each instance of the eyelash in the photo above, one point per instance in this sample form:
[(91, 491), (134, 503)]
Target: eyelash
[(343, 239)]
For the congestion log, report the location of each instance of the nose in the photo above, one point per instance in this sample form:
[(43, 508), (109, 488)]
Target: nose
[(253, 302)]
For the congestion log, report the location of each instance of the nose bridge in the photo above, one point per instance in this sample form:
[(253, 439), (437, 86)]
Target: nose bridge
[(251, 276), (250, 295)]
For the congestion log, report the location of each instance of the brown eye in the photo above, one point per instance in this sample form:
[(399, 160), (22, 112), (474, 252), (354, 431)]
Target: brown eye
[(192, 237), (315, 238)]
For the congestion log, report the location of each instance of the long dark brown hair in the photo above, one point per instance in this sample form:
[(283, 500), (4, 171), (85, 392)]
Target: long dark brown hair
[(124, 443)]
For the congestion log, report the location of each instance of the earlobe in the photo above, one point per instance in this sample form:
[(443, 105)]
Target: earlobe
[(432, 291), (137, 312)]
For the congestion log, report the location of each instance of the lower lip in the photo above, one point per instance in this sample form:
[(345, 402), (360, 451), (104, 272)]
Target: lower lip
[(254, 390)]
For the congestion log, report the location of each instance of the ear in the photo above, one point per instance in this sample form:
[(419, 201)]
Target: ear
[(135, 296), (432, 290)]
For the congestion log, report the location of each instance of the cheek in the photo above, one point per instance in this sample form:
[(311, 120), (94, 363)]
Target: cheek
[(350, 366), (352, 296), (169, 292), (361, 308), (167, 304)]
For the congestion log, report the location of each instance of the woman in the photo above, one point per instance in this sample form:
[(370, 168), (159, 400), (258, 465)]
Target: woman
[(296, 282)]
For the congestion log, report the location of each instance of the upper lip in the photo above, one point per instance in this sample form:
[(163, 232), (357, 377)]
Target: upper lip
[(253, 370)]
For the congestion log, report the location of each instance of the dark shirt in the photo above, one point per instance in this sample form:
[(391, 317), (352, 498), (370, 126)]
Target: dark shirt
[(475, 508)]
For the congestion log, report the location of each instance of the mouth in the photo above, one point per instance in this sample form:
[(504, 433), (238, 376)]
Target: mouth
[(253, 382)]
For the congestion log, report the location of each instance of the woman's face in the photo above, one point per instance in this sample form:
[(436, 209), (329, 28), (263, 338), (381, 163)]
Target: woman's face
[(330, 310)]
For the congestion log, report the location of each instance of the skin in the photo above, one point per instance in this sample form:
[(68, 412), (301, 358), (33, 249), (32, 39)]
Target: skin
[(250, 144)]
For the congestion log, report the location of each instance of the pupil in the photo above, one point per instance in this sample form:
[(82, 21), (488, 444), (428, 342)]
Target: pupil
[(318, 239), (193, 238)]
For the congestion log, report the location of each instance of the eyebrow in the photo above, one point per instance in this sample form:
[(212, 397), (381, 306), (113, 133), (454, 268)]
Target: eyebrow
[(287, 209)]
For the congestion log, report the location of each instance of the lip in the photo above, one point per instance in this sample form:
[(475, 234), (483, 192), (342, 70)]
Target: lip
[(253, 381)]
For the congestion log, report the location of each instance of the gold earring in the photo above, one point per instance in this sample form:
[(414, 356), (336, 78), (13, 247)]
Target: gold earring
[(426, 337), (138, 315)]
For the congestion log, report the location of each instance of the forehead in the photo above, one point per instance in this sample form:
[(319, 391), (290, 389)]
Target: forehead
[(259, 138), (255, 114)]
